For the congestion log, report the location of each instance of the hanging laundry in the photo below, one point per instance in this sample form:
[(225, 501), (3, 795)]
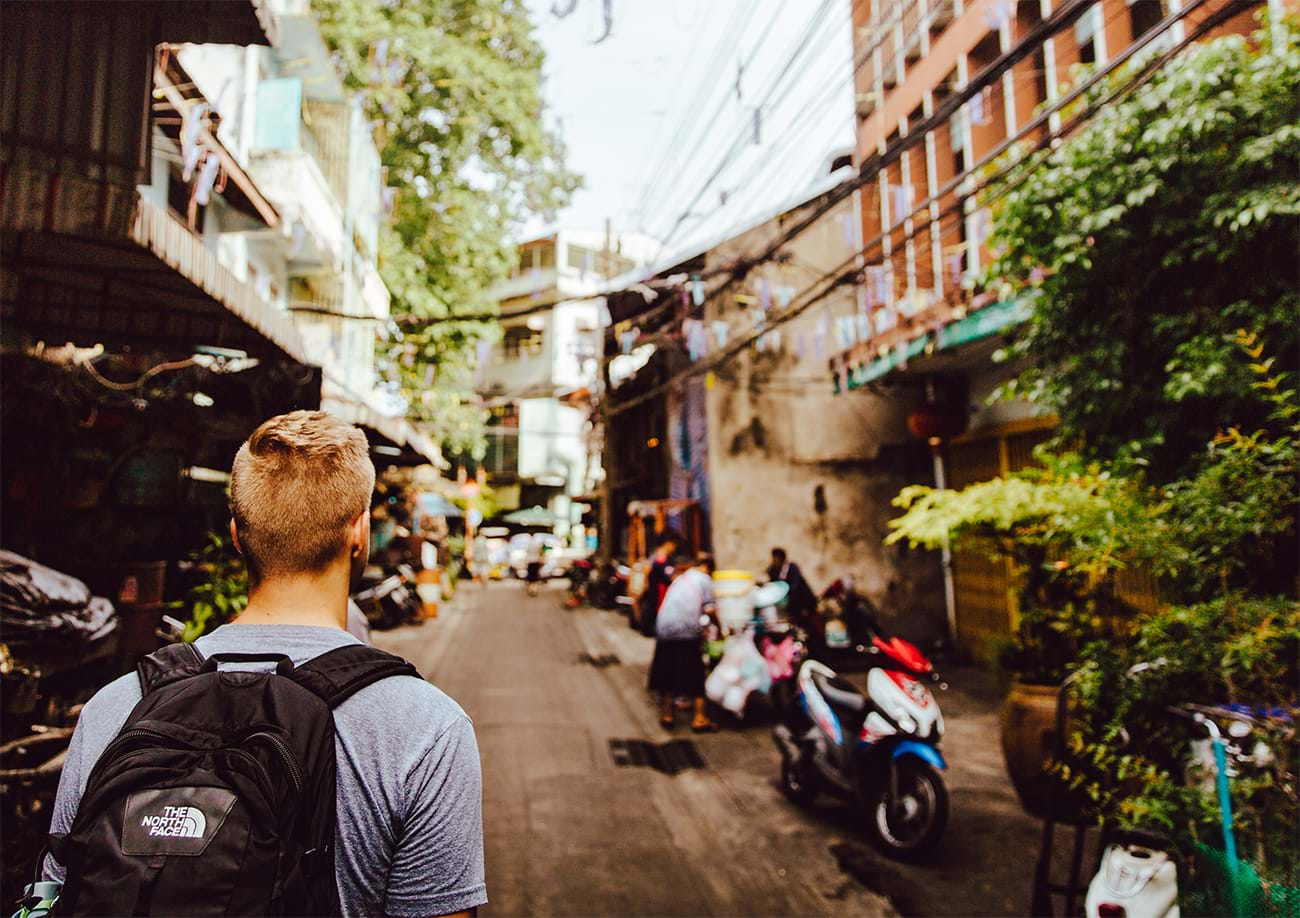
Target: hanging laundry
[(626, 340), (710, 379), (900, 202), (881, 284), (697, 291), (864, 326), (846, 222), (191, 146), (998, 14), (765, 293), (784, 294), (800, 345), (954, 268), (980, 106), (207, 177), (720, 330), (774, 338)]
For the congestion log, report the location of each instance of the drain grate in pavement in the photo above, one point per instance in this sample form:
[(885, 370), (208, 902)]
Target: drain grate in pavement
[(601, 660), (670, 758)]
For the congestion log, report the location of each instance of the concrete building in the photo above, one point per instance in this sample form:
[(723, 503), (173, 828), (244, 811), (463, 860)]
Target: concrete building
[(538, 380), (924, 237), (283, 114), (759, 439)]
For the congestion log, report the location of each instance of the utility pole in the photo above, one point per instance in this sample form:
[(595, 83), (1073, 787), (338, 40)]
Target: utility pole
[(606, 547)]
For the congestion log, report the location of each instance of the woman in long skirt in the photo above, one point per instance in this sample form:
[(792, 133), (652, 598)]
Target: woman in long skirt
[(678, 665)]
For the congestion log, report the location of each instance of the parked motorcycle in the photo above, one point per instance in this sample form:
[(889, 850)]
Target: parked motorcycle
[(608, 589), (878, 749), (388, 596), (582, 574)]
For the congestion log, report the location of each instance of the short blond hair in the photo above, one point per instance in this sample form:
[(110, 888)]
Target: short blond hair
[(297, 483)]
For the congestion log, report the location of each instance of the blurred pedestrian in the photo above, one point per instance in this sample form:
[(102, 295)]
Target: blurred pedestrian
[(657, 580), (533, 555), (802, 602), (678, 665)]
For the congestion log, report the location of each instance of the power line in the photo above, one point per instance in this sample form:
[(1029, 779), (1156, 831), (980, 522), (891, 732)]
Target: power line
[(741, 140), (712, 120), (847, 270), (1061, 19), (702, 91)]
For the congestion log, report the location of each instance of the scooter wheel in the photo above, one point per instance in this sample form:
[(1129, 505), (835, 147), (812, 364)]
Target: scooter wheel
[(797, 784), (911, 828)]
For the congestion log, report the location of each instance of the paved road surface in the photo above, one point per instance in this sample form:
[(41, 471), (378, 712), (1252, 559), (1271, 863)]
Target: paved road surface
[(567, 832)]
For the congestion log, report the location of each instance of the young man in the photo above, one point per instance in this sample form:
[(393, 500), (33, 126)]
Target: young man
[(409, 839)]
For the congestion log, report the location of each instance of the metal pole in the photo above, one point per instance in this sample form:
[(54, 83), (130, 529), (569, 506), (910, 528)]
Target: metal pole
[(949, 593)]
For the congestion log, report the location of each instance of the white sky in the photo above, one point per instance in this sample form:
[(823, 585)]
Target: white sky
[(670, 66)]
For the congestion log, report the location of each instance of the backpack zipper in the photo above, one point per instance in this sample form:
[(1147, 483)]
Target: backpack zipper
[(286, 755), (282, 750)]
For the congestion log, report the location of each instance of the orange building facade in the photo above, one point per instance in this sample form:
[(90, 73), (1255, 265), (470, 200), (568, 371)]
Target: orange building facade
[(924, 236)]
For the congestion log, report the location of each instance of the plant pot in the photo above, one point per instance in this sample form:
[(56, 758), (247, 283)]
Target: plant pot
[(1030, 745)]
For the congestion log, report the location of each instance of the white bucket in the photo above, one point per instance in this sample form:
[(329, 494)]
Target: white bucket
[(731, 592)]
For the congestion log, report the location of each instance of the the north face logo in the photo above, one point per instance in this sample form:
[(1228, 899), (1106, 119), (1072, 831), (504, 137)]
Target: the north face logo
[(176, 822)]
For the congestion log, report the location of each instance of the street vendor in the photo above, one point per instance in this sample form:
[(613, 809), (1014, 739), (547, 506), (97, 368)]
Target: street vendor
[(678, 665)]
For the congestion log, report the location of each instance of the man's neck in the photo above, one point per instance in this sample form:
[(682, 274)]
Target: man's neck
[(320, 600)]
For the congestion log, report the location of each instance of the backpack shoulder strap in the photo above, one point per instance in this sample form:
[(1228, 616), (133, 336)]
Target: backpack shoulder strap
[(173, 662), (339, 674)]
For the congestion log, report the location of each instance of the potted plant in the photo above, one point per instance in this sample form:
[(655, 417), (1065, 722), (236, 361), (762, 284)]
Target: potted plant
[(1067, 529)]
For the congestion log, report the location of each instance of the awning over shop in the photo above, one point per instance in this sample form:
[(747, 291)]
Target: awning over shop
[(849, 374), (354, 408), (159, 287)]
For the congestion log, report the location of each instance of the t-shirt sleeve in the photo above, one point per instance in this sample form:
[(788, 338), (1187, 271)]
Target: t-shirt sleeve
[(66, 800), (437, 868)]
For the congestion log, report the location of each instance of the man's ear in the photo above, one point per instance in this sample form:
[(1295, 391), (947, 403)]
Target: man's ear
[(360, 532), (234, 537)]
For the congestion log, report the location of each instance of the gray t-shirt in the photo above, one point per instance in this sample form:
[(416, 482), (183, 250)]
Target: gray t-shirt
[(410, 820)]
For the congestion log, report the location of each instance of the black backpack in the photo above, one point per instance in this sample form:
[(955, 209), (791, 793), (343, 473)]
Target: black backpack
[(217, 798)]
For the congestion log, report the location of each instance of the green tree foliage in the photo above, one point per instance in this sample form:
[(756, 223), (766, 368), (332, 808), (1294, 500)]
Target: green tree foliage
[(1168, 222), (453, 89), (1162, 241)]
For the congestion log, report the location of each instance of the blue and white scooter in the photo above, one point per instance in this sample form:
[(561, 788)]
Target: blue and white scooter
[(878, 749)]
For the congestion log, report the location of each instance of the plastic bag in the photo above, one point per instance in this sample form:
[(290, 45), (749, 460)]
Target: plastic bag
[(741, 672)]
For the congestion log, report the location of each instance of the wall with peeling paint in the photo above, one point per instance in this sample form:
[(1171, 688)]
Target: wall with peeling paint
[(792, 464)]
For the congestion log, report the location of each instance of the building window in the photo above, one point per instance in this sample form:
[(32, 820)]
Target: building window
[(957, 127), (1145, 15), (1087, 33), (581, 259), (522, 341)]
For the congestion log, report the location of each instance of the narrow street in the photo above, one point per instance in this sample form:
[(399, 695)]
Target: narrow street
[(569, 832)]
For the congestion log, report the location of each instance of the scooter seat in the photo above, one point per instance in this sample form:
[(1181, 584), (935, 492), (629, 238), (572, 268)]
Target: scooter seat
[(841, 694)]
